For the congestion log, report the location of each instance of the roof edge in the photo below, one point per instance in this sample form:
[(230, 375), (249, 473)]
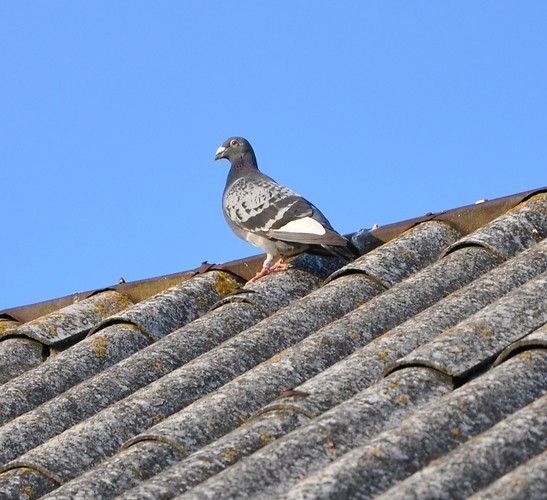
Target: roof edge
[(464, 219)]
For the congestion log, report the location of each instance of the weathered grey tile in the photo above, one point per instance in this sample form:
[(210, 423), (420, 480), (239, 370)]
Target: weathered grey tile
[(202, 464), (320, 350), (60, 372), (26, 484), (476, 341), (113, 340), (278, 465), (431, 432), (305, 274), (146, 365), (482, 459), (405, 255), (528, 481), (362, 326), (179, 376), (110, 485), (209, 368), (73, 322), (520, 228), (18, 355), (538, 338), (178, 389), (362, 368), (177, 306), (300, 320), (72, 452), (142, 409), (491, 287)]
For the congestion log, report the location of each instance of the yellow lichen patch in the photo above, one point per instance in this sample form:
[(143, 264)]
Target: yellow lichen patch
[(354, 336), (392, 385), (159, 365), (448, 331), (110, 302), (525, 355), (26, 491), (50, 329), (202, 300), (402, 399), (373, 451), (455, 431), (265, 437), (485, 331), (231, 454), (409, 257), (158, 419), (321, 341), (382, 354), (275, 358), (7, 324), (99, 346), (225, 283)]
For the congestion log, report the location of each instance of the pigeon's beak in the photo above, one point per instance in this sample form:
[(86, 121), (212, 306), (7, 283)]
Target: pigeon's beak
[(220, 153)]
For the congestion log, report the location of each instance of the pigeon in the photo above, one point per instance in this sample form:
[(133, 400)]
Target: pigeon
[(270, 216)]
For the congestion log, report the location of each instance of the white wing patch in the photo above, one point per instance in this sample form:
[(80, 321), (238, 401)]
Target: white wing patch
[(306, 225)]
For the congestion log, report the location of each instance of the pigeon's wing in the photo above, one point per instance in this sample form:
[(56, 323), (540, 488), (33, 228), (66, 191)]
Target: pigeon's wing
[(259, 205), (304, 223), (255, 203)]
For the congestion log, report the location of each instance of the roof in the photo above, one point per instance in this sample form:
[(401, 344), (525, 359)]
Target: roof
[(417, 370)]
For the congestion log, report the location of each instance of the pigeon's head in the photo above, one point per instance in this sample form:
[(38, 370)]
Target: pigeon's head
[(237, 150)]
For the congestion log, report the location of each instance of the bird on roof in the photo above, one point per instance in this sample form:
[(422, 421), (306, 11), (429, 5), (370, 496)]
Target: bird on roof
[(270, 216)]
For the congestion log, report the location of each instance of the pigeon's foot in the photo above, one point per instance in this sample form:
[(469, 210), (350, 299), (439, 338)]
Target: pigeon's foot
[(260, 274), (280, 265), (268, 268)]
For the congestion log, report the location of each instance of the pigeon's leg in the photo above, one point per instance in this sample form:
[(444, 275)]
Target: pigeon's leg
[(266, 269)]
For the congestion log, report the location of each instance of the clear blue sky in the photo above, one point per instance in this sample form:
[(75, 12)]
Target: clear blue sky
[(111, 112)]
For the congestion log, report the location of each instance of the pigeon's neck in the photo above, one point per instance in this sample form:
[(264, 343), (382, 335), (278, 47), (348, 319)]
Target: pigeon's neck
[(241, 166)]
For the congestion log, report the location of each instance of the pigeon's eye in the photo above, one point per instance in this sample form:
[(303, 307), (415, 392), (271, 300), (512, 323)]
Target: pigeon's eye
[(234, 142)]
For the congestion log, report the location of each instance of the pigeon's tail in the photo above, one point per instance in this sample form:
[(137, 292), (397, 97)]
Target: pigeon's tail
[(349, 251)]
